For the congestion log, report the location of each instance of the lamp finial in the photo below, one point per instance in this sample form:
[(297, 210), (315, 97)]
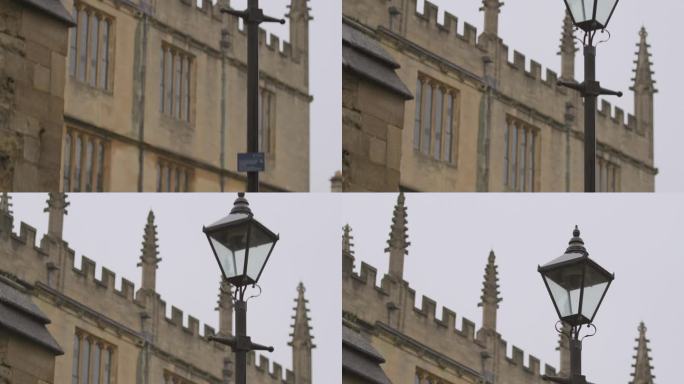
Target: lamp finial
[(241, 205)]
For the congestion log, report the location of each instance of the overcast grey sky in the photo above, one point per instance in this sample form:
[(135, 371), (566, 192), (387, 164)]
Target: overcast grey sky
[(533, 27), (638, 237), (108, 228), (325, 79)]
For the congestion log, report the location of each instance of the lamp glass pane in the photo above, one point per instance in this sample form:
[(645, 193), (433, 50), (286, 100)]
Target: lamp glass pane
[(230, 246), (260, 247), (581, 10), (567, 301), (595, 284), (603, 10), (566, 284)]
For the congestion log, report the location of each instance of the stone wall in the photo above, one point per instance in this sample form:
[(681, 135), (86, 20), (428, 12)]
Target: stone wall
[(33, 49), (371, 130)]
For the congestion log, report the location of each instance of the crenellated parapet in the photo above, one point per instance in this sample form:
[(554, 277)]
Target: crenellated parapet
[(372, 303), (267, 370)]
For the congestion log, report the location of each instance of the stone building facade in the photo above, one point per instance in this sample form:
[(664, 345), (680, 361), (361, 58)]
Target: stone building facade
[(420, 347), (478, 122), (123, 336), (33, 50), (154, 99), (373, 99)]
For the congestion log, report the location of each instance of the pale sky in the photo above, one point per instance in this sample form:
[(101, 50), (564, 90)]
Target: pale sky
[(533, 27), (638, 237), (325, 80), (108, 228)]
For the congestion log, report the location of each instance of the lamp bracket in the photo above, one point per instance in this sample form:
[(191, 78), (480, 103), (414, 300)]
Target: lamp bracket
[(589, 88), (253, 16), (240, 343)]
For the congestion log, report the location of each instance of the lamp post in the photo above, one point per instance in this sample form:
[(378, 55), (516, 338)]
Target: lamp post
[(577, 286), (590, 16), (242, 247), (253, 161)]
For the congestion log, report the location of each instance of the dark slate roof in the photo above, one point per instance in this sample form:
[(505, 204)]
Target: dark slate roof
[(20, 315), (361, 359), (53, 7), (363, 55)]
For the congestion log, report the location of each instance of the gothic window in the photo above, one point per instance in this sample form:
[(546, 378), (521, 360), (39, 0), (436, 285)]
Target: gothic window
[(520, 156), (89, 47), (92, 360), (434, 132), (607, 176), (84, 162), (175, 89), (266, 120), (172, 177)]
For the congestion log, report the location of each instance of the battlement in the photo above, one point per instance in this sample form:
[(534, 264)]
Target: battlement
[(516, 358), (268, 40), (185, 15), (616, 116), (429, 20), (264, 368), (421, 322)]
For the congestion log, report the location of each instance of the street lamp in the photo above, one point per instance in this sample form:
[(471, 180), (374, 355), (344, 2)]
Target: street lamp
[(242, 247), (577, 286), (590, 16), (253, 161)]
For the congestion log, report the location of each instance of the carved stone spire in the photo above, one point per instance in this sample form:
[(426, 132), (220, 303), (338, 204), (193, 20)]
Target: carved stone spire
[(644, 88), (56, 208), (302, 340), (490, 294), (642, 364), (148, 259), (567, 49), (491, 9), (347, 251), (299, 16), (564, 349), (397, 243), (225, 309)]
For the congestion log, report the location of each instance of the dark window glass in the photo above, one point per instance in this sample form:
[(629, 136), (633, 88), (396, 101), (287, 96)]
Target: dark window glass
[(77, 164), (427, 119), (94, 40), (104, 66), (439, 105), (67, 162), (74, 360), (89, 165), (416, 127), (73, 45), (82, 45)]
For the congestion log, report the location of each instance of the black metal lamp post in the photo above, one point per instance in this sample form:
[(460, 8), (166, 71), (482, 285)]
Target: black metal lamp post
[(253, 163), (590, 16), (577, 286), (242, 247)]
